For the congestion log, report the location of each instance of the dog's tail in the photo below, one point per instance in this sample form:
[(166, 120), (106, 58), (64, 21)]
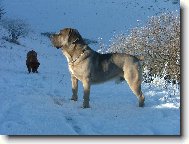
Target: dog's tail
[(140, 58)]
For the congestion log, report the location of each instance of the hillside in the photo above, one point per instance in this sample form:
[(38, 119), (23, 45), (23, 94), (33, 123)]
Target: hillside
[(39, 104)]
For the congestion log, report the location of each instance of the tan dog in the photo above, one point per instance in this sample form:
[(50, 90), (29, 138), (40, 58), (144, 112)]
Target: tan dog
[(91, 67), (32, 62)]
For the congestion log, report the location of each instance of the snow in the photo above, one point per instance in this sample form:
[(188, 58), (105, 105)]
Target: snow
[(39, 104)]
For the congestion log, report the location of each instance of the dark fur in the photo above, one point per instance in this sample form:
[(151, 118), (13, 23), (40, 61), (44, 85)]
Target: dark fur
[(32, 62)]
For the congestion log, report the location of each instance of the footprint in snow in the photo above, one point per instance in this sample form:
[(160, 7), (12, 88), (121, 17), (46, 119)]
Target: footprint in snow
[(73, 124), (58, 100)]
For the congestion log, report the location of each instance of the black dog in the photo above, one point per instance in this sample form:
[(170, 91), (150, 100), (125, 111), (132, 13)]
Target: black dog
[(32, 62)]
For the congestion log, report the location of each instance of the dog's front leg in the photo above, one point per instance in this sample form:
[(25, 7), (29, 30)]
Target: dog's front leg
[(29, 68), (74, 88), (86, 86)]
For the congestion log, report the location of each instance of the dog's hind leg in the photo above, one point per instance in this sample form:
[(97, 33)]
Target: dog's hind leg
[(74, 88), (33, 70), (132, 75)]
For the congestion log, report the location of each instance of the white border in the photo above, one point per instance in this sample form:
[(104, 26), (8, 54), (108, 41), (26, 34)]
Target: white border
[(132, 140)]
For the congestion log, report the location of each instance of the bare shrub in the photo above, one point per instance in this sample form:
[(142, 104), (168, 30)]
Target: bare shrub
[(2, 11), (16, 28), (158, 41), (47, 34)]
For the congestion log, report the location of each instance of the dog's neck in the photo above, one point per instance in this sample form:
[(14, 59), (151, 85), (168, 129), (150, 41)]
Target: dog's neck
[(76, 58), (74, 52)]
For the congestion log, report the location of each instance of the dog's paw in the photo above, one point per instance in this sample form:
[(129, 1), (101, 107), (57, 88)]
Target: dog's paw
[(141, 101), (84, 107), (74, 99), (141, 104)]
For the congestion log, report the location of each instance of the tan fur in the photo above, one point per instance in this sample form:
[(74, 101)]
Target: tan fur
[(91, 67)]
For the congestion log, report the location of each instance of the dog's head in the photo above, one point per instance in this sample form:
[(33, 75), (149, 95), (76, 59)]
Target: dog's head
[(66, 37), (31, 56), (32, 53)]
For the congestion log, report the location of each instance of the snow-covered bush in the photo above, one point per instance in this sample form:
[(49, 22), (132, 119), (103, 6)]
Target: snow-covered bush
[(147, 75), (102, 47), (2, 11), (158, 41), (16, 29)]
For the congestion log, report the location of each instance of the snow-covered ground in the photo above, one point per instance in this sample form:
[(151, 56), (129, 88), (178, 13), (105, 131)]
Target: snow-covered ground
[(38, 104)]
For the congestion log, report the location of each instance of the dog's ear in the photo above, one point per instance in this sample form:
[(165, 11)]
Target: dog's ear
[(66, 34), (71, 36), (65, 31), (74, 37)]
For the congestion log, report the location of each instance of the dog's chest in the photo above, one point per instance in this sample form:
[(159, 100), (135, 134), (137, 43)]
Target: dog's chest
[(74, 71), (70, 67)]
